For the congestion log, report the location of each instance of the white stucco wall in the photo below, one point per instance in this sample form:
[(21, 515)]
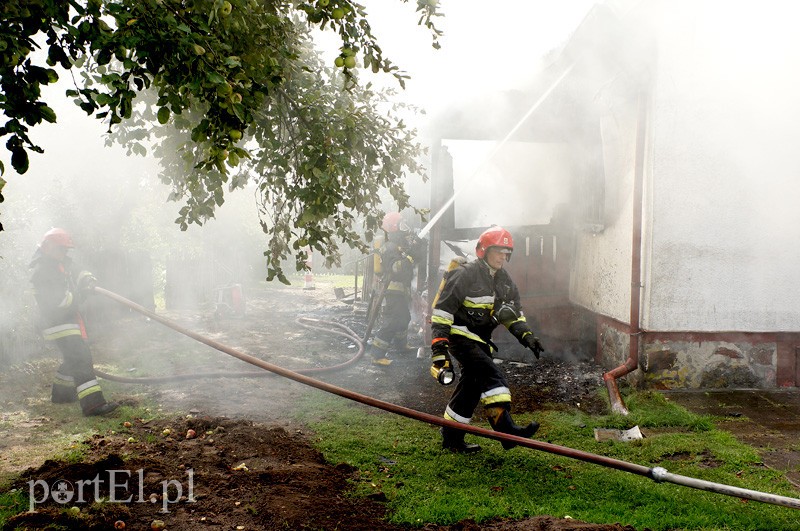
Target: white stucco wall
[(724, 220), (721, 229)]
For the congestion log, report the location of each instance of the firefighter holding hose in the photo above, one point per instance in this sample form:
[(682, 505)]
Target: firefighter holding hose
[(400, 254), (475, 297), (59, 294)]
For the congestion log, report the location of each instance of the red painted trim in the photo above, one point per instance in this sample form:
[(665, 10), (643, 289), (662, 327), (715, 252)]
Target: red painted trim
[(696, 336)]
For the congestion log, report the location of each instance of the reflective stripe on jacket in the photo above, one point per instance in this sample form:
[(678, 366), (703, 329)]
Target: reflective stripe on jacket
[(467, 302)]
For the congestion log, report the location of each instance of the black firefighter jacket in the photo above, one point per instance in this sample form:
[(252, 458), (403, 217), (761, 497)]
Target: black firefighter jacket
[(58, 300), (468, 301)]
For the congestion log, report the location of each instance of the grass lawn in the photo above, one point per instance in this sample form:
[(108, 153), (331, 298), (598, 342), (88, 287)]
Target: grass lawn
[(401, 458)]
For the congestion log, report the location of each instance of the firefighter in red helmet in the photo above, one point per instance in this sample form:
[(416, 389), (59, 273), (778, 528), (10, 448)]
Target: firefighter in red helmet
[(475, 297), (400, 254), (393, 222), (59, 294)]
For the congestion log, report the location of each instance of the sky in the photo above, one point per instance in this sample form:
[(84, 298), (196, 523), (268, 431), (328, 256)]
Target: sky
[(487, 46)]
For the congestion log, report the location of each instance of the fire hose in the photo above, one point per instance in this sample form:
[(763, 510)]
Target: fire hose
[(315, 324), (307, 322), (657, 474)]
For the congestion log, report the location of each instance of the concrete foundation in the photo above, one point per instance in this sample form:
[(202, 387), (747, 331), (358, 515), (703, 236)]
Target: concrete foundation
[(691, 360)]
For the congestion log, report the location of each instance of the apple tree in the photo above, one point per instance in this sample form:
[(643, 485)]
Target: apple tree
[(237, 95)]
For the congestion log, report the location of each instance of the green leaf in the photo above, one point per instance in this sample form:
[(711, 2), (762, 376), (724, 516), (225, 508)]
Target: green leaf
[(215, 78), (48, 114), (163, 115), (139, 149), (19, 160), (126, 108)]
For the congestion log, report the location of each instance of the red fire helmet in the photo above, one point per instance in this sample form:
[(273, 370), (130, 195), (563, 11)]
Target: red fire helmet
[(392, 222), (57, 238), (494, 237)]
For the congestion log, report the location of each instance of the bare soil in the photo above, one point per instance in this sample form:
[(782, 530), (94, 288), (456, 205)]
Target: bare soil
[(766, 419), (285, 483)]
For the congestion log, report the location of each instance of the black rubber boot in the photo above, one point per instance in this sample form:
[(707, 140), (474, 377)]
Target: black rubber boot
[(102, 409), (92, 401), (453, 440), (501, 420), (405, 353)]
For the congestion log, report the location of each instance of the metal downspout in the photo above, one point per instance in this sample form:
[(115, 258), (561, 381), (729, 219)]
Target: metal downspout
[(634, 330)]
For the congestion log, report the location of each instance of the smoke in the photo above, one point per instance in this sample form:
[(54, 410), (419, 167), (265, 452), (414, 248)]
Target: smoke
[(521, 185), (114, 204), (115, 208)]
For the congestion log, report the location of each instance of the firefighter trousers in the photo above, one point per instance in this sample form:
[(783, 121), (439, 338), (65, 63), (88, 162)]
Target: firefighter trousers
[(481, 381), (395, 318), (75, 378)]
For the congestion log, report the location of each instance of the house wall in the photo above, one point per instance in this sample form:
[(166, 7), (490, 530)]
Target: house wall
[(725, 130), (601, 268), (720, 302)]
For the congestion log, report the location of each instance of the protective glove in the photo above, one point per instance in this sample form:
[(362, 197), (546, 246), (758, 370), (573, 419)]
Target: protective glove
[(441, 364), (86, 282), (532, 342), (413, 239), (506, 314)]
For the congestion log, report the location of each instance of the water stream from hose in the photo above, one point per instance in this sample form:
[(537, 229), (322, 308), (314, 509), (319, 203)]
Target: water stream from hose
[(424, 231)]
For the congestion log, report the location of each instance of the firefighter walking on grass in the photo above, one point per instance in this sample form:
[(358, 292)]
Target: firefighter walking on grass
[(59, 294), (475, 297), (400, 254)]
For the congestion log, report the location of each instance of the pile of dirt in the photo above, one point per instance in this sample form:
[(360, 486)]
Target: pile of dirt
[(223, 474)]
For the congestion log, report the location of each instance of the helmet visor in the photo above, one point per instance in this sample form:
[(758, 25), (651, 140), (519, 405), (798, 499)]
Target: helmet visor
[(503, 251)]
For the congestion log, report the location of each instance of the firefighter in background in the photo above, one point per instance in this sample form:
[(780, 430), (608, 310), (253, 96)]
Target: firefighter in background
[(475, 297), (59, 295), (400, 254)]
